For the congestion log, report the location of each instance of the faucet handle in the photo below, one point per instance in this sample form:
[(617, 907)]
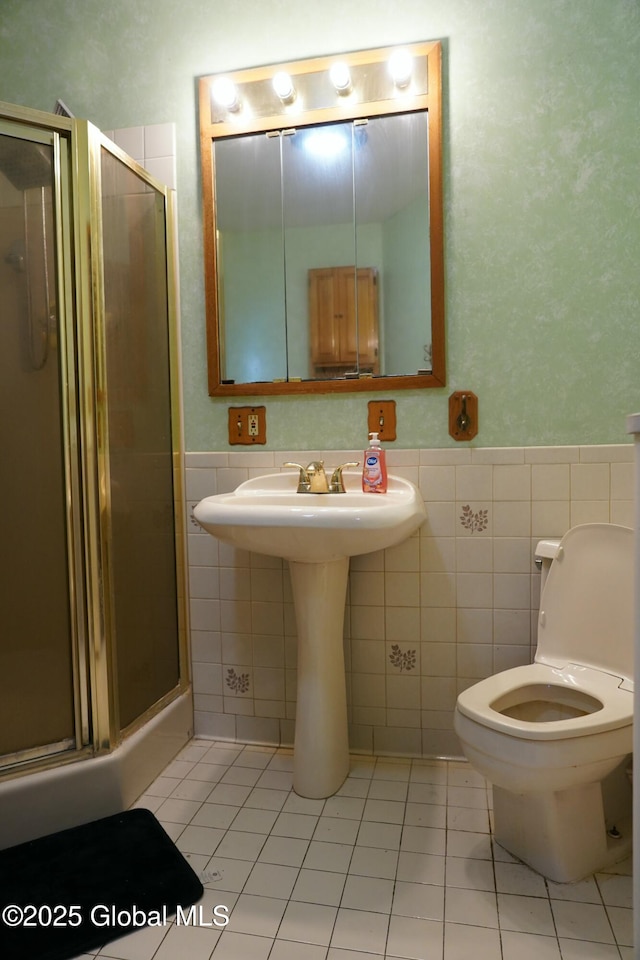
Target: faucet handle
[(303, 479), (337, 483)]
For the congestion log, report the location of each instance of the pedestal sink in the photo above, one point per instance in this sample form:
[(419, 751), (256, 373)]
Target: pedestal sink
[(316, 533)]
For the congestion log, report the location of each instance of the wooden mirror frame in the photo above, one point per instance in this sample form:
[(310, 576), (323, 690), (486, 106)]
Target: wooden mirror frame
[(212, 127)]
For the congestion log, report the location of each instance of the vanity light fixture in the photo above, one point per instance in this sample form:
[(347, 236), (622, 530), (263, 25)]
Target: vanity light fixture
[(340, 77), (283, 86), (401, 67), (225, 94)]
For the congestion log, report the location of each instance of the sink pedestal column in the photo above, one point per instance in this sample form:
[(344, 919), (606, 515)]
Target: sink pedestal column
[(321, 750)]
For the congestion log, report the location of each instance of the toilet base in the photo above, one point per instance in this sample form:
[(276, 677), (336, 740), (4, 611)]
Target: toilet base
[(562, 835)]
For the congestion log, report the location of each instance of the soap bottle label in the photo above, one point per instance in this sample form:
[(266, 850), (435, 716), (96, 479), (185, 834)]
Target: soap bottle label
[(373, 473)]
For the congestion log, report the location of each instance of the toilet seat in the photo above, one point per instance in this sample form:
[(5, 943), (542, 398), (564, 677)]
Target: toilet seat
[(615, 710)]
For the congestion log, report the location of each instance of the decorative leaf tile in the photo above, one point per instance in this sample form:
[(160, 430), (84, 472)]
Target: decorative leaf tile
[(238, 682), (474, 520), (403, 659)]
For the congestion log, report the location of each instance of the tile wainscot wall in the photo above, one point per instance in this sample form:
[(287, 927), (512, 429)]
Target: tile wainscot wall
[(454, 603)]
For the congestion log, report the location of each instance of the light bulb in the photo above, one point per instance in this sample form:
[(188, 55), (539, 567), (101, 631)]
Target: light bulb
[(283, 86), (340, 78), (400, 67), (225, 94)]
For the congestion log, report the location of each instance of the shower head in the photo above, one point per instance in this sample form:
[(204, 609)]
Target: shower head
[(24, 163)]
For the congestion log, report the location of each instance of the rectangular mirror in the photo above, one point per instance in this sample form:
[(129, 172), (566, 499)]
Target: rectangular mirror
[(322, 212)]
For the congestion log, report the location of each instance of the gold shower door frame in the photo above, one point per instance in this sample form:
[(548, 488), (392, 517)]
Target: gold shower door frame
[(31, 127), (77, 199)]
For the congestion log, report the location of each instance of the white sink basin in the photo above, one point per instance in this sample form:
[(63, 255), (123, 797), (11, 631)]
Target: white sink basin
[(266, 515), (316, 533)]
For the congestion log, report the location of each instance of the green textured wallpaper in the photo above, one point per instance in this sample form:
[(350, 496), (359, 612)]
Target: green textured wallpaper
[(542, 187)]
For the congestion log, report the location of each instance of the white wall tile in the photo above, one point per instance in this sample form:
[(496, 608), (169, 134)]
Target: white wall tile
[(163, 169), (131, 139), (202, 550), (552, 454), (512, 555), (160, 140), (497, 455), (620, 453), (200, 483), (512, 627), (205, 646), (438, 625), (474, 483), (550, 518), (403, 692), (402, 624), (402, 589), (622, 481), (204, 583), (438, 693), (437, 590), (511, 591), (589, 511), (475, 660), (590, 481), (268, 651), (437, 554), (234, 584), (457, 455), (512, 482), (474, 590), (474, 555), (441, 520), (438, 483), (404, 556), (550, 481), (452, 604), (622, 512), (512, 518), (474, 625), (368, 690), (366, 588), (367, 623), (368, 656), (438, 659)]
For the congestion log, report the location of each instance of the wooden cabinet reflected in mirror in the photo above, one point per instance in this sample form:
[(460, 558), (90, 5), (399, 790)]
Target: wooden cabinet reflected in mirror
[(322, 215), (343, 313)]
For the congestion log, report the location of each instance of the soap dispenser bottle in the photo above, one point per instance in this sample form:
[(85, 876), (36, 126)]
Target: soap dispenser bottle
[(374, 474)]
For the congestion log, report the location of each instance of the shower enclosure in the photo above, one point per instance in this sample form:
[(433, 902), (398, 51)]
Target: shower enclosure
[(93, 627)]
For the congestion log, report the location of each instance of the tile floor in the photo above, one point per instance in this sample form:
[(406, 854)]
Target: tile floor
[(399, 864)]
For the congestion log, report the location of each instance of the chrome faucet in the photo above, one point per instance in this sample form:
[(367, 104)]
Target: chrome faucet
[(313, 479)]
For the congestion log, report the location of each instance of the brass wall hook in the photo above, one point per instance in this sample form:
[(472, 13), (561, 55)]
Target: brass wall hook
[(463, 415)]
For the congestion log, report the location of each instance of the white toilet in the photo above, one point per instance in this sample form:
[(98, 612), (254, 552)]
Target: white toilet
[(553, 737)]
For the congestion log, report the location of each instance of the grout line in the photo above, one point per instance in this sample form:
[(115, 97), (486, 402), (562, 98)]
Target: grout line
[(376, 765)]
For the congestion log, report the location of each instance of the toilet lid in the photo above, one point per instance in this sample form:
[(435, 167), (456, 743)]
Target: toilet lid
[(586, 607)]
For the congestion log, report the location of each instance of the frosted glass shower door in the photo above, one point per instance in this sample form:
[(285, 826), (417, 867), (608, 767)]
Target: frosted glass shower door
[(37, 715), (141, 536)]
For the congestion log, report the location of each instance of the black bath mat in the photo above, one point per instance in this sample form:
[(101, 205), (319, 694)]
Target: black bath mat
[(72, 891)]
